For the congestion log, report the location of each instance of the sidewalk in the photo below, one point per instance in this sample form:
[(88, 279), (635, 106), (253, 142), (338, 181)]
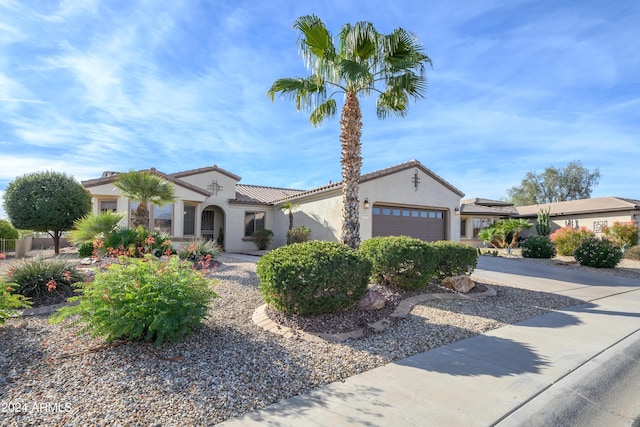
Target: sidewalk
[(499, 376)]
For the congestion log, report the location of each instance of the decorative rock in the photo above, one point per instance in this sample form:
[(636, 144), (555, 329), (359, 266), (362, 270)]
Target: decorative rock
[(460, 283), (372, 300), (86, 261)]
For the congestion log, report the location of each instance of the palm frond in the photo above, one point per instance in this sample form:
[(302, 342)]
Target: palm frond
[(392, 102), (314, 40), (323, 111), (306, 93), (143, 186)]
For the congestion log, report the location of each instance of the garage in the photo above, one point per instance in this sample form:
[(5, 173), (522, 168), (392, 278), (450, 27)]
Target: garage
[(421, 223)]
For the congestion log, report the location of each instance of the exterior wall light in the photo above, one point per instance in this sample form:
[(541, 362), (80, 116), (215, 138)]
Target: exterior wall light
[(366, 203), (457, 210)]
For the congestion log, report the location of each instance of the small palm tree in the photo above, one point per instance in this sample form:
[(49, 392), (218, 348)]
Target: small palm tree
[(93, 226), (145, 187), (363, 60), (289, 208)]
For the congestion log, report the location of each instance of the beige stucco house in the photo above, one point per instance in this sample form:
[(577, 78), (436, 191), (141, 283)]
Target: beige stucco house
[(407, 199), (593, 214)]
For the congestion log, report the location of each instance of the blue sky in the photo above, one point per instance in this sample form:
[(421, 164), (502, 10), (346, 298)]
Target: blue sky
[(88, 86)]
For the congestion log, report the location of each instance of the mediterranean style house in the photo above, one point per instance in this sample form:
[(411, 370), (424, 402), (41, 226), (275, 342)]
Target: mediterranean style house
[(406, 199), (594, 214)]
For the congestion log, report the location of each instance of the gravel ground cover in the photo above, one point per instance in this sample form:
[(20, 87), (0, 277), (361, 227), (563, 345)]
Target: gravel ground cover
[(51, 375)]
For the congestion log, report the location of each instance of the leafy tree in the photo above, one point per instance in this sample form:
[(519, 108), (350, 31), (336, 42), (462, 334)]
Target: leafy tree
[(362, 60), (499, 232), (46, 201), (145, 187), (289, 208), (573, 182)]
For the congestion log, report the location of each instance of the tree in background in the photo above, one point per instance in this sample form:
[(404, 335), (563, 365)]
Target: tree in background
[(289, 208), (8, 231), (573, 182), (362, 60), (46, 201), (145, 187)]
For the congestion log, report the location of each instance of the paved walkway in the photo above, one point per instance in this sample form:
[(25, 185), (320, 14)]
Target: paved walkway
[(577, 366)]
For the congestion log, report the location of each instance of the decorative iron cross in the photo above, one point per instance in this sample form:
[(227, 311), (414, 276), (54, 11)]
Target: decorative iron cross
[(214, 187), (415, 180)]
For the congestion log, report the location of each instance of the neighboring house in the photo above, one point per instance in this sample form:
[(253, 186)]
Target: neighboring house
[(476, 214), (593, 214), (407, 199)]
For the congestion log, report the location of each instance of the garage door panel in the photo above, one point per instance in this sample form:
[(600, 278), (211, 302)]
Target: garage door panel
[(424, 224)]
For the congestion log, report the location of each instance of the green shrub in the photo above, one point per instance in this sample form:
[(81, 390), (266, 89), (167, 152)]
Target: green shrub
[(8, 231), (401, 261), (454, 258), (262, 238), (41, 279), (568, 238), (298, 235), (633, 253), (10, 302), (95, 226), (136, 242), (622, 234), (143, 298), (538, 247), (313, 277), (598, 253), (85, 250)]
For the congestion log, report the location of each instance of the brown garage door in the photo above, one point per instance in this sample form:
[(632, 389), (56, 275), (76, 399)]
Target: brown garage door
[(424, 224)]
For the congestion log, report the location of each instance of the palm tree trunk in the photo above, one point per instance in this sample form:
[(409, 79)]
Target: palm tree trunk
[(141, 215), (351, 160)]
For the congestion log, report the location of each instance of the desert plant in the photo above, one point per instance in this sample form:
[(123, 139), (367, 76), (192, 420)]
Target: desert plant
[(598, 253), (142, 298), (124, 239), (41, 279), (262, 238), (633, 253), (543, 224), (298, 235), (400, 261), (95, 226), (200, 252), (313, 277), (137, 242), (568, 238), (145, 187), (9, 302), (504, 233), (538, 247), (623, 234), (8, 231), (454, 258)]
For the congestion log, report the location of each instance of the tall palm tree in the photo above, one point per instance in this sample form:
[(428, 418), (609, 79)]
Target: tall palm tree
[(145, 187), (362, 61)]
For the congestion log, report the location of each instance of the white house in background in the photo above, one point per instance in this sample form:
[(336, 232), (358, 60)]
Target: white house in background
[(406, 199), (594, 214)]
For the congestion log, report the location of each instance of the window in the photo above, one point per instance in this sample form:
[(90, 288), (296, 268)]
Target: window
[(253, 221), (376, 211), (108, 206), (463, 228), (598, 226), (162, 218), (479, 224), (189, 221)]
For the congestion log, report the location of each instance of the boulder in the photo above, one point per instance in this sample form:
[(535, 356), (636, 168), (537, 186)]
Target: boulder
[(462, 283), (372, 300)]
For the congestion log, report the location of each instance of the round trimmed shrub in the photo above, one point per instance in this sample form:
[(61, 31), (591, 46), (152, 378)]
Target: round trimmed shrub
[(143, 298), (598, 253), (455, 258), (401, 261), (568, 238), (313, 277), (8, 231), (538, 247)]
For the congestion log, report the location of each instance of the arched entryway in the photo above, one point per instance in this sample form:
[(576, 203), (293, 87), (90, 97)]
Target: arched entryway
[(212, 224)]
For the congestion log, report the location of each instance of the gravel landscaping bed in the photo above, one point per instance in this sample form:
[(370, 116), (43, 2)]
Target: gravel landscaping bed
[(52, 375)]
